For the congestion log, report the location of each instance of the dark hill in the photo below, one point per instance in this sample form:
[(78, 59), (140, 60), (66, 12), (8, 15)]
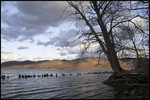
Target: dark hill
[(14, 63)]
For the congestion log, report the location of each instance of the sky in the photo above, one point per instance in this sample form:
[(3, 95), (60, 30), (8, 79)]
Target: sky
[(31, 30), (37, 30)]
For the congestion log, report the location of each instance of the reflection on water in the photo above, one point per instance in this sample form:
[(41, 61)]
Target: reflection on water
[(86, 86)]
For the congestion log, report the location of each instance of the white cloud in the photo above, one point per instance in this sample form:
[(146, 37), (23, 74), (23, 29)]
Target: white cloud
[(78, 49), (11, 57), (140, 22), (37, 58)]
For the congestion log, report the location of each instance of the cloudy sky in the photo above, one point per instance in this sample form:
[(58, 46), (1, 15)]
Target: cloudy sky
[(37, 30)]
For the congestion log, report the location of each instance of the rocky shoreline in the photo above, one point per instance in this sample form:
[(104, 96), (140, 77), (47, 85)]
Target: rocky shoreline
[(135, 85)]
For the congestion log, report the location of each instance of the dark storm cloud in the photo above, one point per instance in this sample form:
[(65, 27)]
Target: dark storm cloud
[(22, 47), (66, 37), (32, 18), (62, 39), (42, 12), (19, 33), (9, 33)]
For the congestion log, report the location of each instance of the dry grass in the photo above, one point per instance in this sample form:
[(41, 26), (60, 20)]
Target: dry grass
[(88, 63)]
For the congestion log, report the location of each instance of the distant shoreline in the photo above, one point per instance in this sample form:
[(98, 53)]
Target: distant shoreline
[(77, 64), (55, 68)]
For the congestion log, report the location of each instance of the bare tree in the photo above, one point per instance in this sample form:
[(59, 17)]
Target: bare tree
[(107, 15)]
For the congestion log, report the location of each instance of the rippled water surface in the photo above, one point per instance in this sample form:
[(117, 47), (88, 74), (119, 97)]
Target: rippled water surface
[(86, 86)]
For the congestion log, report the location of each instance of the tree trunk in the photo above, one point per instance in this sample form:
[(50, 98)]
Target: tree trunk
[(111, 53), (108, 49), (114, 62), (112, 56)]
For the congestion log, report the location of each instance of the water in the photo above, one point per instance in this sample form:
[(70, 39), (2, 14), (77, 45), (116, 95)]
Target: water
[(85, 86)]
